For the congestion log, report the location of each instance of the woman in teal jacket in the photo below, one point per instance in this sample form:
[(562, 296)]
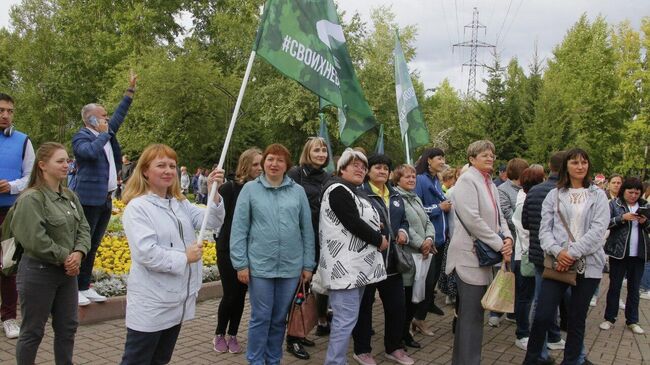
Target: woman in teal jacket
[(271, 247)]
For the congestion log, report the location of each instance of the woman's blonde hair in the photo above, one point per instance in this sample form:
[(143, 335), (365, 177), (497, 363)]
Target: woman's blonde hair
[(44, 153), (245, 163), (305, 156), (138, 184)]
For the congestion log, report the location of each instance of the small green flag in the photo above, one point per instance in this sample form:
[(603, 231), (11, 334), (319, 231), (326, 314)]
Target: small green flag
[(411, 122), (323, 133), (379, 149), (304, 40)]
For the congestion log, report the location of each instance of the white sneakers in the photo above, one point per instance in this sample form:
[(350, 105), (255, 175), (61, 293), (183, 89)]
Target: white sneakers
[(607, 325), (621, 304), (11, 328), (494, 321), (88, 296), (556, 345), (636, 329), (522, 343), (645, 294), (594, 301)]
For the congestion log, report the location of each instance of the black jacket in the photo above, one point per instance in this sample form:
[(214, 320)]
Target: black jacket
[(229, 193), (396, 216), (617, 245), (531, 217)]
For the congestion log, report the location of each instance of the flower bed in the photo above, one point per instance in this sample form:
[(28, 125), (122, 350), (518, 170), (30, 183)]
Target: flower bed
[(113, 259)]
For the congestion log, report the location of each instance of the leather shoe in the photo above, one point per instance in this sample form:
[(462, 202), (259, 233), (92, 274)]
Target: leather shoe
[(306, 342), (548, 361), (296, 349), (323, 330), (436, 310), (410, 342)]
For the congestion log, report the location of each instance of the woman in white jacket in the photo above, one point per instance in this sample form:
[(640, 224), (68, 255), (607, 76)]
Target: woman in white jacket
[(165, 275)]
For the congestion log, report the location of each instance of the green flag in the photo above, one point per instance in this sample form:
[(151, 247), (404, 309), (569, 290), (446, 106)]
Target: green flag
[(304, 40), (379, 148), (411, 122), (323, 133)]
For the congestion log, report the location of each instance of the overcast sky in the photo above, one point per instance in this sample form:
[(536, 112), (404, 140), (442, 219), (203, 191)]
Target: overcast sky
[(512, 25)]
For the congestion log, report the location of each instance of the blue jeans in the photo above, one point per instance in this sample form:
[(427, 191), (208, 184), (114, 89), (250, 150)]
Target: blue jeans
[(270, 300), (524, 293), (550, 296), (645, 281), (345, 305), (553, 334)]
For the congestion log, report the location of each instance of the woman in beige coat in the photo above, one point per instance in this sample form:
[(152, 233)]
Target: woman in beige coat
[(477, 211)]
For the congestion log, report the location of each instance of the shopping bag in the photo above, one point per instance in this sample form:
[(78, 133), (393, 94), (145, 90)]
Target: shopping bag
[(303, 316), (500, 295), (526, 268), (419, 282)]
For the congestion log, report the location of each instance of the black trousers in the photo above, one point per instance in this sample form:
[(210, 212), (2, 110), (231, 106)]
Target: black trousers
[(231, 306), (150, 348), (391, 292), (550, 296), (633, 268), (97, 217), (410, 311)]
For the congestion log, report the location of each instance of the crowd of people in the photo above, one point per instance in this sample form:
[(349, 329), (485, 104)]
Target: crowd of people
[(371, 227)]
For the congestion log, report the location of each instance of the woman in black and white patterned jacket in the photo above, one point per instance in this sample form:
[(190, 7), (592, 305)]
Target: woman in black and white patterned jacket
[(351, 242)]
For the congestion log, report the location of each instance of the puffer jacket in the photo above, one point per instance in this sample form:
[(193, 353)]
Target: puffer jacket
[(619, 232), (531, 217)]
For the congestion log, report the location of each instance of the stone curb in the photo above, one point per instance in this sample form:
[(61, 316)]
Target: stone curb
[(115, 307)]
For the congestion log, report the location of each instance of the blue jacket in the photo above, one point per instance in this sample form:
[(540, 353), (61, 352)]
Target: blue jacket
[(429, 190), (92, 164), (271, 233)]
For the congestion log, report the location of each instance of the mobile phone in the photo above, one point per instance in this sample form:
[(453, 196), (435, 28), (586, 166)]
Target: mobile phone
[(93, 120), (645, 211)]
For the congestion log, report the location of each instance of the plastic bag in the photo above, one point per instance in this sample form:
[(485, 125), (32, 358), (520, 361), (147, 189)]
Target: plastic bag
[(500, 295), (419, 282)]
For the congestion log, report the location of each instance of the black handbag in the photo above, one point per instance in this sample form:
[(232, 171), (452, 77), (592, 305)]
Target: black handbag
[(403, 260), (486, 255)]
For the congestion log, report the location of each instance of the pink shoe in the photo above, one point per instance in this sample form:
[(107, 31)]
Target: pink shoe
[(233, 345), (364, 359), (401, 357), (220, 344)]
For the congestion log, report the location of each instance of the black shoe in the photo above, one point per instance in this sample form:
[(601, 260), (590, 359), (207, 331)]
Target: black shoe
[(587, 362), (296, 349), (410, 342), (436, 310), (323, 331), (306, 342), (330, 314), (372, 332), (548, 361), (453, 324)]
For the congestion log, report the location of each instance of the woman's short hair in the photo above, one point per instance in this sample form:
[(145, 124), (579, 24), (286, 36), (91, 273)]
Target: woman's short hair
[(564, 178), (515, 167), (278, 150), (305, 156), (477, 147), (631, 183), (615, 176), (44, 153), (531, 176), (349, 156), (380, 159), (422, 164), (449, 173), (245, 164), (138, 185), (400, 171)]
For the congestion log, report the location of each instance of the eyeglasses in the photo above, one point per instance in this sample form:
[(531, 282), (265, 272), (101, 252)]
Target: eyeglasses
[(359, 166)]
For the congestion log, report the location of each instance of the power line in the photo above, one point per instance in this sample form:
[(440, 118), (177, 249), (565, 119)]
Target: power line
[(504, 22), (474, 44), (444, 16), (505, 35)]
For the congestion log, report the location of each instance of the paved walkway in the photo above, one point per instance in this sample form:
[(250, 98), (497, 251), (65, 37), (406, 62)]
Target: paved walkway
[(103, 343)]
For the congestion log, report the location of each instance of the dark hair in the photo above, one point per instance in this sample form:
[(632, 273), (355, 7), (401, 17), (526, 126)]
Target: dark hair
[(422, 165), (631, 183), (565, 180), (530, 177), (278, 150), (616, 175), (515, 167), (6, 97), (380, 160), (555, 162)]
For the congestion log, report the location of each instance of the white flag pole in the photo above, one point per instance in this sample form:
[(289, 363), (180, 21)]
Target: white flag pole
[(406, 143), (226, 143)]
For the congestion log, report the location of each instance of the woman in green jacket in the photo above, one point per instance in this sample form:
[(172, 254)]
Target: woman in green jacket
[(422, 233), (49, 224)]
